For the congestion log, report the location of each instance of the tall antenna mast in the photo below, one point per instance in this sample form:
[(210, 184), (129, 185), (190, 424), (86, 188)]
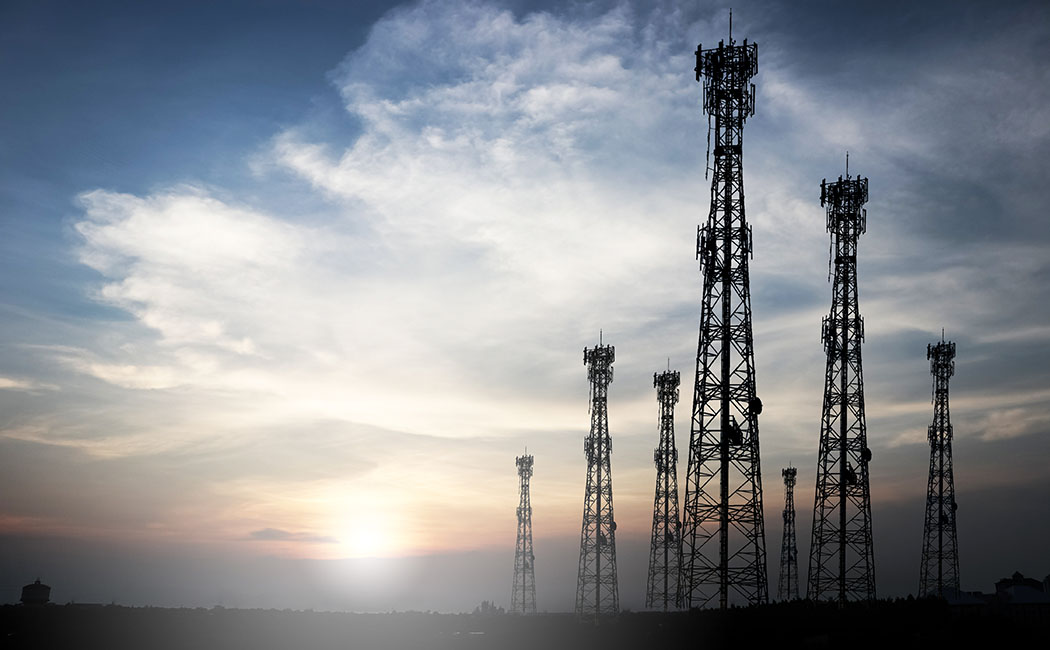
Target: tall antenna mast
[(841, 560), (665, 548), (523, 593), (940, 546), (724, 545), (597, 593)]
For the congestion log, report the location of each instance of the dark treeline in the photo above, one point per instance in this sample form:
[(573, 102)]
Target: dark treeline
[(882, 624)]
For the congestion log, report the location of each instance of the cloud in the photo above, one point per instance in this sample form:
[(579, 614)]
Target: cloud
[(481, 236), (1006, 423), (7, 383), (277, 535), (157, 249)]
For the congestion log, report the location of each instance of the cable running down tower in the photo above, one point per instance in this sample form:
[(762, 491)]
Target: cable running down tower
[(665, 550), (523, 594), (841, 561), (787, 588), (724, 545), (940, 550), (596, 588)]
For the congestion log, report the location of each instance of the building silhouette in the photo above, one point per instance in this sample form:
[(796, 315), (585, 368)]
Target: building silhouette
[(36, 593)]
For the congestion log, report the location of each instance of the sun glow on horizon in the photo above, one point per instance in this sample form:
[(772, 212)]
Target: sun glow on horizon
[(364, 527), (366, 538)]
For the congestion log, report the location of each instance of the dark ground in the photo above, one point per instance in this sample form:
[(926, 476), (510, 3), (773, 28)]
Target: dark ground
[(884, 624)]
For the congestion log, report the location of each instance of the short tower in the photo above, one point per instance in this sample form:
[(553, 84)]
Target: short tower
[(787, 588), (940, 547), (523, 594), (665, 549)]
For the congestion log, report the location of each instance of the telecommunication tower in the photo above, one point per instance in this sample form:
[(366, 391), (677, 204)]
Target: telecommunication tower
[(523, 594), (787, 588), (596, 589), (724, 544), (841, 560), (940, 550), (665, 551)]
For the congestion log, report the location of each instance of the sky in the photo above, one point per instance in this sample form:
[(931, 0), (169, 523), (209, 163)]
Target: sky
[(286, 286)]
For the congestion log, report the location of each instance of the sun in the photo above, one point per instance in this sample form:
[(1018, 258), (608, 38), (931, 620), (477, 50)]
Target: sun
[(366, 540), (366, 534)]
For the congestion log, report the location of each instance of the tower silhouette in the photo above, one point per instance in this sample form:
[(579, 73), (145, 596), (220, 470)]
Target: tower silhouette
[(665, 550), (940, 550), (724, 547), (841, 560), (787, 588), (596, 589), (523, 594)]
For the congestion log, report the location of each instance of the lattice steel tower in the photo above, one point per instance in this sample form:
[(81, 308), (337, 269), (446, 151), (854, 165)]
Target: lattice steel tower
[(724, 544), (841, 560), (940, 550), (523, 594), (665, 550), (596, 589), (787, 588)]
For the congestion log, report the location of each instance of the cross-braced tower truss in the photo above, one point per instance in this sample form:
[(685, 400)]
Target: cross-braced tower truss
[(596, 588), (724, 544), (841, 560), (665, 551), (523, 594), (940, 551), (787, 588)]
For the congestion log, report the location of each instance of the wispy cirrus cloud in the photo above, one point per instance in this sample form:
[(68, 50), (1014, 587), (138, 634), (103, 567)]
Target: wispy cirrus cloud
[(9, 383)]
